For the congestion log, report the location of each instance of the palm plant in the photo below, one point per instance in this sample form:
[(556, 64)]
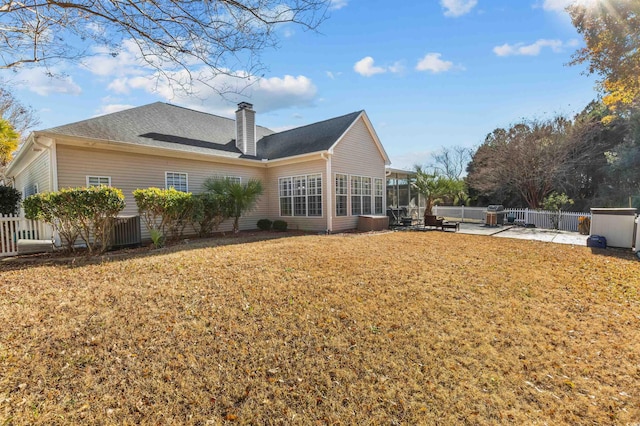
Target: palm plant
[(241, 197), (431, 186)]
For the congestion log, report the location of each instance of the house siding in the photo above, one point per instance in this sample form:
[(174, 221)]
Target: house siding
[(37, 172), (305, 168), (355, 155), (130, 171)]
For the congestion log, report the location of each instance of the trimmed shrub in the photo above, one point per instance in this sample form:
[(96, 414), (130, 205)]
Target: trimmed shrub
[(264, 224), (165, 210), (9, 200), (87, 213), (279, 225), (50, 208), (209, 211)]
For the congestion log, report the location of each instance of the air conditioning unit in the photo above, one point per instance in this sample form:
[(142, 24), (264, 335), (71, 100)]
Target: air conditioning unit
[(126, 232)]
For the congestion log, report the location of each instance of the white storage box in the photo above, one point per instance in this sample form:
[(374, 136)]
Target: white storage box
[(616, 225)]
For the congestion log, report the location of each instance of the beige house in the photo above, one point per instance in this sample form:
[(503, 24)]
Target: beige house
[(319, 177)]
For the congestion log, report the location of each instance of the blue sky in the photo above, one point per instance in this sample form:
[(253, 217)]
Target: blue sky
[(429, 74)]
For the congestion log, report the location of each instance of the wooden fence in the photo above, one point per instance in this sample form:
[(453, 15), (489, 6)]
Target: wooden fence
[(14, 228), (568, 221)]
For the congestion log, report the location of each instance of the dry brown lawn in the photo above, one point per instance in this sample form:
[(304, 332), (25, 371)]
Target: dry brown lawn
[(395, 328)]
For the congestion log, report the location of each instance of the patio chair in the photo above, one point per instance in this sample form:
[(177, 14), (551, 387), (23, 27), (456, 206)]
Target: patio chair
[(439, 222)]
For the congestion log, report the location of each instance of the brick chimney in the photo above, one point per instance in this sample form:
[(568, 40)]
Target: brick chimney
[(246, 128)]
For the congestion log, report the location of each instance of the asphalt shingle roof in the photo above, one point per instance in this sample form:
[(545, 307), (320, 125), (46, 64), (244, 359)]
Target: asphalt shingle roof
[(314, 137), (168, 126)]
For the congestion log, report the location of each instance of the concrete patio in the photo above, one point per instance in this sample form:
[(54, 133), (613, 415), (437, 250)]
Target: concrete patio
[(519, 232)]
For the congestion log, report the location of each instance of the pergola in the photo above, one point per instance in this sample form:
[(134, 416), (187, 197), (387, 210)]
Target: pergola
[(402, 198)]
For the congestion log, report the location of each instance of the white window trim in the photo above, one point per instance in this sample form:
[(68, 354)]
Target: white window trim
[(99, 178), (306, 196), (186, 175)]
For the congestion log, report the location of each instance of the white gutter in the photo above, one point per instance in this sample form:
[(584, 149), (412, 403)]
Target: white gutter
[(329, 197)]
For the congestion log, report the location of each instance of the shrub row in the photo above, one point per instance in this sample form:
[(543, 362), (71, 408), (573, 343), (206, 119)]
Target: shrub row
[(276, 225)]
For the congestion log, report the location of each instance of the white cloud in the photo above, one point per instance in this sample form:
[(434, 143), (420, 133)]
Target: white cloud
[(276, 93), (126, 62), (408, 160), (432, 62), (337, 4), (455, 8), (111, 108), (267, 94), (366, 68), (533, 49), (397, 67), (45, 81), (557, 6)]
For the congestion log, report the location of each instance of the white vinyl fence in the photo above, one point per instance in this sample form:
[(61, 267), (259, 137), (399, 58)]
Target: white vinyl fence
[(539, 218), (461, 213), (14, 228)]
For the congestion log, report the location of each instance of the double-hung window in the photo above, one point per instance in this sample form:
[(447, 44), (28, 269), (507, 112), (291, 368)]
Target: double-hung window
[(366, 195), (30, 190), (286, 193), (176, 180), (342, 192), (98, 180), (379, 195), (356, 195), (314, 195), (300, 195)]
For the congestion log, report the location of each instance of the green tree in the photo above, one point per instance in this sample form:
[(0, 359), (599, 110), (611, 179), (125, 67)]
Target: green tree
[(241, 197), (9, 200), (555, 202), (9, 140), (611, 30), (586, 175)]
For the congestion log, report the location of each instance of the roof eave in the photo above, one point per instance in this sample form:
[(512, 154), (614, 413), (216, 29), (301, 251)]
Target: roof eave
[(21, 153), (145, 149), (295, 158)]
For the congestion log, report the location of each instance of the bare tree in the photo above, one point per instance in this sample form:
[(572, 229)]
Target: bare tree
[(452, 162), (525, 160), (20, 116), (226, 36)]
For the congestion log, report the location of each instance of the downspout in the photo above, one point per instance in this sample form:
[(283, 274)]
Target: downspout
[(328, 192), (53, 177), (53, 162)]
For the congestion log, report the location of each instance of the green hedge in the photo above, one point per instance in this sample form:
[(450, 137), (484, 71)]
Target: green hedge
[(87, 213)]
